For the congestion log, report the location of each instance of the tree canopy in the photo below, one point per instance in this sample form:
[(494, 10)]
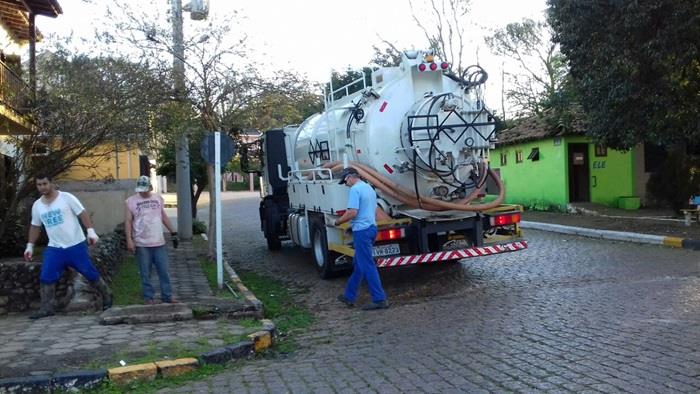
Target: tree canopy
[(540, 68), (83, 103), (635, 66)]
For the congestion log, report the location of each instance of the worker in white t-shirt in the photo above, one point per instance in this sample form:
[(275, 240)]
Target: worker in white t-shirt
[(58, 212)]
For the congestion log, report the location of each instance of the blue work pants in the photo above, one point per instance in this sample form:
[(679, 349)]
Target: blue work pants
[(56, 260), (364, 267)]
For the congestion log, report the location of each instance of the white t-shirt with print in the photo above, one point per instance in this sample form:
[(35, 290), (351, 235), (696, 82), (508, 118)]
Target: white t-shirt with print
[(60, 219)]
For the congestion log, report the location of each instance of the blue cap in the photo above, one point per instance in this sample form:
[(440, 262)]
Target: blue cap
[(347, 172)]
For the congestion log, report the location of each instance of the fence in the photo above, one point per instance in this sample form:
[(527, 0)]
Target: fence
[(14, 93)]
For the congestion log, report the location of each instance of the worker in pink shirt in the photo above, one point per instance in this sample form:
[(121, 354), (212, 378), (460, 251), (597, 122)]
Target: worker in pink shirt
[(143, 224)]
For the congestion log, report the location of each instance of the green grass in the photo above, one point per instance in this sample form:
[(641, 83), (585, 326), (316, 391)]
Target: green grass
[(249, 323), (201, 246), (279, 305), (153, 351), (209, 269), (126, 283)]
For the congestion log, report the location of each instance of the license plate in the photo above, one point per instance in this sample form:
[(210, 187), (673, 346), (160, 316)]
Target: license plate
[(386, 250)]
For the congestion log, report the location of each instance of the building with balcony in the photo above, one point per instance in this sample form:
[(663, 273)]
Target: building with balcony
[(17, 31)]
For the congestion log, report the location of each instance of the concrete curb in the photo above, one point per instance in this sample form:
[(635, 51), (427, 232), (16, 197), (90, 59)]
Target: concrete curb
[(81, 380), (624, 236), (243, 289), (67, 381)]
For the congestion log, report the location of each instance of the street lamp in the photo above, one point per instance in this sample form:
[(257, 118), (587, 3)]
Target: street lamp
[(198, 10)]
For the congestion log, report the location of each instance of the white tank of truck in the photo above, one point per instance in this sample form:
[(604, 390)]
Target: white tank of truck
[(417, 116), (420, 135)]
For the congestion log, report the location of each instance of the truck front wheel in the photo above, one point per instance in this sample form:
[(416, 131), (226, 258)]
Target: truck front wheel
[(270, 222)]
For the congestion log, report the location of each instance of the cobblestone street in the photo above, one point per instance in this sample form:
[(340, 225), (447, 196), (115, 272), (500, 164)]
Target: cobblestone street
[(568, 314)]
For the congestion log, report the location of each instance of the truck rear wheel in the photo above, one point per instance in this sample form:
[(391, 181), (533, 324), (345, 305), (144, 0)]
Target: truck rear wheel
[(324, 258)]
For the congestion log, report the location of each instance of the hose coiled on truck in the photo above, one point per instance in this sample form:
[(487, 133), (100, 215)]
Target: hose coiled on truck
[(430, 204)]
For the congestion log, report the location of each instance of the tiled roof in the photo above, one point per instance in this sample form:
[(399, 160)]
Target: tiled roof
[(540, 127), (14, 15)]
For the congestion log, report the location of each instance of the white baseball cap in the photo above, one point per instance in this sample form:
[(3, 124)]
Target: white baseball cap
[(143, 184)]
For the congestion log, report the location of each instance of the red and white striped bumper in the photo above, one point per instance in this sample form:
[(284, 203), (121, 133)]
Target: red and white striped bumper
[(396, 261)]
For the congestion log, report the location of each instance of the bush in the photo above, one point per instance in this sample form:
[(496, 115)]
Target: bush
[(13, 243), (199, 227), (243, 186), (676, 180)]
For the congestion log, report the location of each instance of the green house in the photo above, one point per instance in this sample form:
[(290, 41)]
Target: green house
[(543, 168)]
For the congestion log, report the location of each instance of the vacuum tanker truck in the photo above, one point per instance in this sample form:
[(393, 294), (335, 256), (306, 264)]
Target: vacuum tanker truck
[(420, 135)]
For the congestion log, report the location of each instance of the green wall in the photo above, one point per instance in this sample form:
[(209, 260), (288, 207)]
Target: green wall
[(544, 184), (538, 184), (611, 176)]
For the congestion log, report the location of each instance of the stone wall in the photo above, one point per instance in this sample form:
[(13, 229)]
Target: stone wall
[(19, 286), (19, 280)]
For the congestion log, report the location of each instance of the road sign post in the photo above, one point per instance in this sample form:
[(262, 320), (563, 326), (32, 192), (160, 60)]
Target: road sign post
[(217, 199), (216, 150)]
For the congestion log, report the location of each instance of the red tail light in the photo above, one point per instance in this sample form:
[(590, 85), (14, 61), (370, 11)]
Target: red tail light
[(444, 66), (421, 67), (504, 220), (433, 66), (391, 234)]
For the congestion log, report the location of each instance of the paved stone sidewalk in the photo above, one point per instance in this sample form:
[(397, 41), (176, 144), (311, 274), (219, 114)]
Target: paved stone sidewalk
[(186, 275), (67, 342), (642, 221)]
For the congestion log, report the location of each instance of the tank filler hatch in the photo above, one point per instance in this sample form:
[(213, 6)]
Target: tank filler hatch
[(442, 137)]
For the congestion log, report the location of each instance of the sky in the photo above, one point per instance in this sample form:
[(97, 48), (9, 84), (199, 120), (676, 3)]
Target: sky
[(313, 37)]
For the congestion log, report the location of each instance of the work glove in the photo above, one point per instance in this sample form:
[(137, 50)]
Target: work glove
[(330, 221), (176, 240), (29, 252), (92, 236)]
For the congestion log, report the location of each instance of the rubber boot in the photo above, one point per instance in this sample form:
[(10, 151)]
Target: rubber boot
[(105, 292), (48, 296)]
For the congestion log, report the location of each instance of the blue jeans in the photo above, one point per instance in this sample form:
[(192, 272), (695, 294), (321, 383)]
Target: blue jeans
[(364, 267), (56, 260), (158, 256)]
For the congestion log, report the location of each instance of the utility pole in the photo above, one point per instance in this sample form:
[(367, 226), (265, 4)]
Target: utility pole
[(182, 154)]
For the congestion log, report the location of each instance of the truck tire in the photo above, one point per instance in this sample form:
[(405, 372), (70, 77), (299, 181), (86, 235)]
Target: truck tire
[(323, 258), (270, 220), (274, 243)]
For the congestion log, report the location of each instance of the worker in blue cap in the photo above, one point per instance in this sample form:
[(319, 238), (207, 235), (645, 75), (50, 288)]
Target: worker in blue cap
[(362, 203)]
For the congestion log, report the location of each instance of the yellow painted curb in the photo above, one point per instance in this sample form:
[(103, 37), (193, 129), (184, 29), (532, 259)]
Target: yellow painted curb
[(261, 339), (673, 242), (168, 368), (131, 373)]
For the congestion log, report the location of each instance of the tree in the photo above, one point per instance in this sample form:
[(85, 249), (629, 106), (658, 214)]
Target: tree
[(340, 79), (443, 23), (676, 180), (389, 56), (635, 66), (220, 90), (83, 103), (542, 68)]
